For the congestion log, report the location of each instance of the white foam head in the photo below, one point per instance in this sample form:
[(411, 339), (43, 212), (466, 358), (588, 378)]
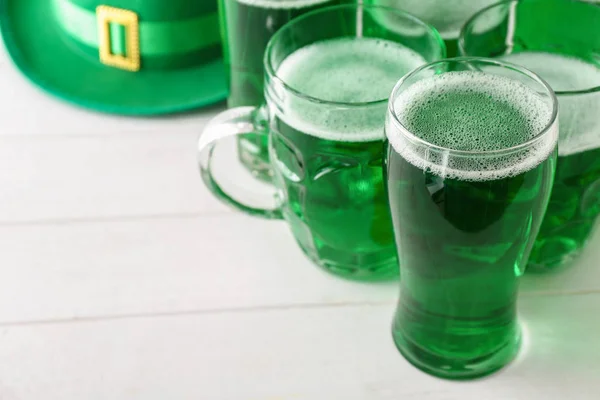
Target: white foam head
[(476, 126), (345, 72), (579, 120), (283, 4)]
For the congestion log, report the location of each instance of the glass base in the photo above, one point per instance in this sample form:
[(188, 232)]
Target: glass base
[(453, 368), (553, 265), (367, 267), (561, 255), (558, 249)]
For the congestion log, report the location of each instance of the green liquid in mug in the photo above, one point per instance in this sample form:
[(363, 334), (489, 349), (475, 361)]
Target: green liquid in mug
[(575, 202), (328, 162), (247, 28)]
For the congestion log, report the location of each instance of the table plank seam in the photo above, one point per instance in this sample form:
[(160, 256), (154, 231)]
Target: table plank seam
[(238, 310), (116, 218)]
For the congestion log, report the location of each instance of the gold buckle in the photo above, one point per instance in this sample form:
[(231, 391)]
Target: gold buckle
[(129, 19)]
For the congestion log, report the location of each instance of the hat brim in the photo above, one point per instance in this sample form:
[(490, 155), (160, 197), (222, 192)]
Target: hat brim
[(48, 58)]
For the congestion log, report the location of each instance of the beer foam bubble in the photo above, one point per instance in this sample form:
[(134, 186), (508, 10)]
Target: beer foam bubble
[(345, 70), (283, 4), (471, 112)]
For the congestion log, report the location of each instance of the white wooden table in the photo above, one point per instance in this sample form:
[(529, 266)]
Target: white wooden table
[(121, 278)]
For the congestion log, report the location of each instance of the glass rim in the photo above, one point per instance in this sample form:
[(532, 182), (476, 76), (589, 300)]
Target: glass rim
[(358, 7), (483, 11), (490, 61)]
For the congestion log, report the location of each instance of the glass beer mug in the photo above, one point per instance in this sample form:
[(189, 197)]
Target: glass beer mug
[(328, 77)]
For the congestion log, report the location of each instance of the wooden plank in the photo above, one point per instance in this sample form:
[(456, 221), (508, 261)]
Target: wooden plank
[(163, 265), (291, 354), (54, 178), (76, 270)]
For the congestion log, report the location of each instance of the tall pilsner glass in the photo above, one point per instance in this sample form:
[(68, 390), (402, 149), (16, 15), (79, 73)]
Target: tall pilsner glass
[(470, 166)]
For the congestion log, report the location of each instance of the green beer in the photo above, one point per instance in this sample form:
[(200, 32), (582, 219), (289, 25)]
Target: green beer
[(327, 162), (558, 40), (247, 26), (469, 177), (575, 202), (447, 16)]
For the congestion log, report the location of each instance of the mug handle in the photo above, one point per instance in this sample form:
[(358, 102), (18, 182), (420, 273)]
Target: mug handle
[(233, 122)]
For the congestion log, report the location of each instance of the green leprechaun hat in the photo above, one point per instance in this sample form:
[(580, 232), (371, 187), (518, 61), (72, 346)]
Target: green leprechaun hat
[(121, 56)]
